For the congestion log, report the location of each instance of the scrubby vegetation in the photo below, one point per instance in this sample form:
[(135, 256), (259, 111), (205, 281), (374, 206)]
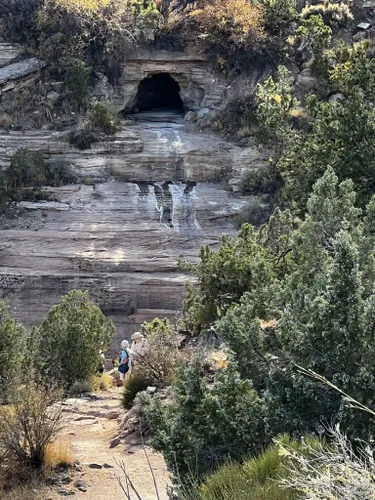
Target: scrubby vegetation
[(37, 368), (66, 344), (27, 173), (290, 296)]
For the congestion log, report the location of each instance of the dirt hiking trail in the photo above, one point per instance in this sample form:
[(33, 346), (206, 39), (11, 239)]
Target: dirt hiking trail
[(89, 428)]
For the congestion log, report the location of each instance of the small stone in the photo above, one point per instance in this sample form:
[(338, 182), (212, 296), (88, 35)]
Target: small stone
[(191, 116), (360, 35), (112, 415), (77, 466), (52, 98), (65, 493), (363, 26), (65, 479), (151, 390), (115, 442), (202, 113), (94, 466), (81, 486)]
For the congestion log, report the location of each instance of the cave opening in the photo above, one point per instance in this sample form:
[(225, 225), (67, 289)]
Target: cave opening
[(158, 92)]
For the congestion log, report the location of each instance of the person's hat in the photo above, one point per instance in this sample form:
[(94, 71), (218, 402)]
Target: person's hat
[(124, 344), (136, 335)]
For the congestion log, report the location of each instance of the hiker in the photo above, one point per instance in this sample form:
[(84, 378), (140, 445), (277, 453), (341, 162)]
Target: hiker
[(101, 366), (124, 362), (139, 346)]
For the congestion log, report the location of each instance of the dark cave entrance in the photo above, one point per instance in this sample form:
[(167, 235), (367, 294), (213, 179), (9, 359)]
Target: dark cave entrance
[(159, 91)]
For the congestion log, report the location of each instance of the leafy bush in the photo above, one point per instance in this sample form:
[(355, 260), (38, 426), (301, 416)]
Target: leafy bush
[(30, 424), (275, 98), (12, 352), (341, 134), (104, 118), (82, 138), (163, 357), (80, 387), (278, 14), (101, 118), (223, 276), (77, 81), (27, 168), (203, 426), (317, 37), (239, 111), (333, 14), (256, 212), (136, 383), (100, 32), (68, 339), (263, 180)]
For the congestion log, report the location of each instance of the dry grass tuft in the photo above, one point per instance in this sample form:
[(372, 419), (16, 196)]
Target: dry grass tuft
[(103, 382), (58, 453)]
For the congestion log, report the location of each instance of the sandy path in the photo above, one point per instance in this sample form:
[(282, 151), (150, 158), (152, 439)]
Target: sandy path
[(89, 431)]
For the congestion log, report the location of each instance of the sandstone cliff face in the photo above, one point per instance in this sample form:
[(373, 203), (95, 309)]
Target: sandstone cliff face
[(156, 191), (158, 194)]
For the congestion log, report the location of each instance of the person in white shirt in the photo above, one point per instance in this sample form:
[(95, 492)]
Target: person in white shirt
[(139, 346)]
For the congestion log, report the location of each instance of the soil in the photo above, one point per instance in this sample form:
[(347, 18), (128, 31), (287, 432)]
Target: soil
[(89, 428)]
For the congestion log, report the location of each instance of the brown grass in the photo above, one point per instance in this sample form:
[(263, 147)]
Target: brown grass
[(58, 453), (103, 382)]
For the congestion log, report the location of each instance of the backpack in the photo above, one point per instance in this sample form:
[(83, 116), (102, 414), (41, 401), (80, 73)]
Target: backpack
[(125, 366)]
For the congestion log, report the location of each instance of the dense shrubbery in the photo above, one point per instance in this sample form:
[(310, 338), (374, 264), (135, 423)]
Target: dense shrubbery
[(333, 14), (100, 119), (12, 345), (203, 426), (230, 29), (341, 134), (77, 82), (163, 356), (34, 370), (297, 292), (27, 172), (136, 383), (66, 344)]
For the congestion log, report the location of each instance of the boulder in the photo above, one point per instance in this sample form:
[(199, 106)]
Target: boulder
[(336, 97), (203, 113), (306, 81), (19, 72), (191, 116), (52, 98)]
